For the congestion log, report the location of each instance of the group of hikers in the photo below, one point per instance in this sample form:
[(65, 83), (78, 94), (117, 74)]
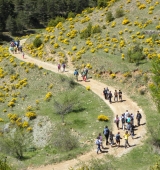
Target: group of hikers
[(127, 125), (15, 47), (108, 95), (63, 66), (84, 74)]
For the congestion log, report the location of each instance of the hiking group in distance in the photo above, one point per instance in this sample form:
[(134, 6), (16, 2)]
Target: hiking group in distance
[(108, 95), (127, 125)]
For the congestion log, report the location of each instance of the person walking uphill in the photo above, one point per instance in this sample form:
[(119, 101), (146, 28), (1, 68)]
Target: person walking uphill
[(76, 74), (105, 93), (106, 134)]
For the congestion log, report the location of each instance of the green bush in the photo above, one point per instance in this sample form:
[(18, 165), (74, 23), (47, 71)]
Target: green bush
[(37, 42), (63, 140), (95, 29), (71, 15), (119, 13), (54, 22), (109, 16)]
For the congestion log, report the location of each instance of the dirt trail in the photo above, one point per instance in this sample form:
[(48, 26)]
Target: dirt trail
[(117, 108)]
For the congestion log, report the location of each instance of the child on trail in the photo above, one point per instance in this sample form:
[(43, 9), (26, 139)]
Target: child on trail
[(59, 67), (76, 74), (118, 138), (126, 135), (98, 143), (111, 138), (120, 95), (138, 117), (116, 120), (100, 137), (116, 96), (106, 134)]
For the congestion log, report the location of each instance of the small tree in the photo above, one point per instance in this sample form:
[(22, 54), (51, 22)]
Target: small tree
[(119, 13), (15, 142), (155, 87), (66, 104), (109, 16), (69, 141), (11, 25), (37, 42)]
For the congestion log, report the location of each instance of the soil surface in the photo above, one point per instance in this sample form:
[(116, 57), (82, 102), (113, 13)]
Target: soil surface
[(118, 108)]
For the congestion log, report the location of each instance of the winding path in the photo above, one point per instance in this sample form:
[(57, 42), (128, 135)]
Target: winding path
[(117, 108)]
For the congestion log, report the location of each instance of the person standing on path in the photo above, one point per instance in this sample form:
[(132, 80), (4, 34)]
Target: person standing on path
[(59, 67), (120, 95), (123, 121), (110, 97), (98, 143), (116, 96), (116, 120), (64, 67), (138, 117), (111, 135), (106, 134), (105, 93), (76, 74), (118, 138), (126, 135)]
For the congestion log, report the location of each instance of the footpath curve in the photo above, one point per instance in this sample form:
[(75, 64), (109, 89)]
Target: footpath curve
[(117, 108)]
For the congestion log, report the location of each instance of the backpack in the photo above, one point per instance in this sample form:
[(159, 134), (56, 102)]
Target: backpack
[(97, 142), (76, 72), (117, 137), (106, 131), (123, 120), (139, 116)]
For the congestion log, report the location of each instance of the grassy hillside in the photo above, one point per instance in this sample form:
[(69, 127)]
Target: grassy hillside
[(105, 48)]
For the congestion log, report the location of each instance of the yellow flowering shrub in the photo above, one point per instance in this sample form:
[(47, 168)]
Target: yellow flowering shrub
[(1, 120), (29, 129), (113, 75), (88, 87), (125, 21), (103, 118), (48, 96), (31, 115)]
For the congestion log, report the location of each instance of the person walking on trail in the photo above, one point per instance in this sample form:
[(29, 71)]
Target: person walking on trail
[(100, 138), (76, 74), (86, 72), (116, 96), (126, 135), (64, 67), (132, 131), (106, 134), (126, 115), (118, 138), (116, 120), (138, 117), (123, 121), (110, 97), (120, 95), (59, 67), (105, 93), (84, 75), (111, 135), (98, 143)]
